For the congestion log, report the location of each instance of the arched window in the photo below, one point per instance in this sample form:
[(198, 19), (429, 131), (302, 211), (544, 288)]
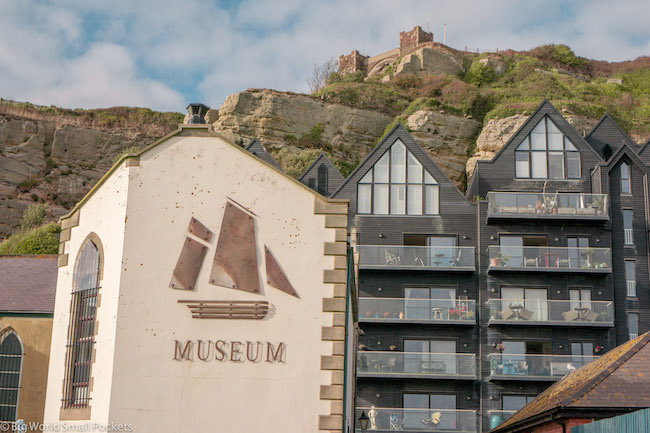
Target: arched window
[(11, 356), (546, 153), (322, 179), (81, 331), (625, 179), (397, 185)]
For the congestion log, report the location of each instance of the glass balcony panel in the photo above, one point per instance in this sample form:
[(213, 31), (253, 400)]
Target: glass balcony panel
[(542, 367), (547, 205), (416, 364), (534, 311), (418, 420), (562, 259), (417, 310), (414, 257), (499, 416)]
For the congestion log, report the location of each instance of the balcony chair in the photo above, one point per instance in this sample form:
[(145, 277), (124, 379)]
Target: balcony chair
[(388, 365), (570, 315), (526, 314), (561, 368), (563, 263), (521, 368), (395, 423), (437, 313), (432, 422), (589, 316), (455, 261), (507, 313), (433, 367), (534, 262), (392, 259)]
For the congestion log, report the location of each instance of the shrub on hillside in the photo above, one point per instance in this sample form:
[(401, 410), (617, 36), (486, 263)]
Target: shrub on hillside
[(38, 240), (33, 216), (480, 74), (560, 54)]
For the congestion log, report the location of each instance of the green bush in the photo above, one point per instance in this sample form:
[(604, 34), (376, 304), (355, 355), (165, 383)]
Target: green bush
[(38, 240), (353, 77), (33, 216), (480, 74)]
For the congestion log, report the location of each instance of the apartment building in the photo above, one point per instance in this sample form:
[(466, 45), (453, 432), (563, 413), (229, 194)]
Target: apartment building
[(469, 309)]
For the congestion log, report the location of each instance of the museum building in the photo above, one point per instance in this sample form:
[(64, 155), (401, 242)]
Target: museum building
[(201, 288)]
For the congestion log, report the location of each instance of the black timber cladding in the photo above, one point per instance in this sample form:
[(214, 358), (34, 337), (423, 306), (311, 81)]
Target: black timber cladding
[(607, 137), (258, 149), (469, 224), (322, 176)]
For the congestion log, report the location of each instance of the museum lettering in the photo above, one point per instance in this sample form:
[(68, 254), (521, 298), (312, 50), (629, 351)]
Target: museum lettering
[(230, 351)]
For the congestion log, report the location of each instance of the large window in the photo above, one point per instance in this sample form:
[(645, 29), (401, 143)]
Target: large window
[(532, 300), (546, 153), (81, 331), (443, 403), (581, 353), (515, 402), (397, 185), (11, 356), (625, 179)]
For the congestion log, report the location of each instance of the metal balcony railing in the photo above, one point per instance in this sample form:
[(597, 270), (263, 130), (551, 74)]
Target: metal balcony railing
[(538, 205), (629, 236), (556, 259), (630, 288), (416, 258), (416, 365), (551, 312), (534, 367), (412, 310), (382, 419)]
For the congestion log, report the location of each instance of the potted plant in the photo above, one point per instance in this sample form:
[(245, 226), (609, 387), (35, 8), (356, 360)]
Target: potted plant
[(470, 315), (499, 347), (599, 205), (586, 254), (499, 259), (550, 204), (599, 349), (453, 313)]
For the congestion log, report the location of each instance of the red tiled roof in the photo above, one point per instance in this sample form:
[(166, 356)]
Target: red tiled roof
[(618, 379), (28, 283)]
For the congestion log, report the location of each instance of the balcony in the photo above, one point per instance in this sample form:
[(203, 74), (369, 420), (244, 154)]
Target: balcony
[(499, 416), (547, 206), (534, 367), (416, 258), (550, 259), (419, 420), (546, 312), (416, 365), (412, 310)]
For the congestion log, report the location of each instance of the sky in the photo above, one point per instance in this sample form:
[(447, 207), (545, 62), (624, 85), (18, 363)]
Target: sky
[(164, 54)]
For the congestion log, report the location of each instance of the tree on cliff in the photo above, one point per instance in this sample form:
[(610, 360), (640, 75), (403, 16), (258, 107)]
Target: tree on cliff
[(318, 78)]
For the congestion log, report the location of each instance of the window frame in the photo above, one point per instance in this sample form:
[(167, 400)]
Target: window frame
[(8, 407), (631, 211), (627, 179), (629, 315), (427, 184), (630, 293), (548, 153)]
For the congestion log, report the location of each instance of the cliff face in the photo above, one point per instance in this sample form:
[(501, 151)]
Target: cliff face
[(56, 158)]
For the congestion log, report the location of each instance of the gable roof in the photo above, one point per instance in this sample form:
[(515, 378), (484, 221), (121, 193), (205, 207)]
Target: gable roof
[(184, 130), (28, 283), (400, 132), (258, 149), (544, 109), (617, 379), (644, 147), (620, 152), (321, 159), (607, 132)]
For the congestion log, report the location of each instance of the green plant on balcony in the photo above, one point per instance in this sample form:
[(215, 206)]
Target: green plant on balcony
[(499, 259), (586, 254), (550, 204), (599, 205)]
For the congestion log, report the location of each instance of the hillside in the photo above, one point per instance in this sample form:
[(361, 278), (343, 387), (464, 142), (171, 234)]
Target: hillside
[(54, 155)]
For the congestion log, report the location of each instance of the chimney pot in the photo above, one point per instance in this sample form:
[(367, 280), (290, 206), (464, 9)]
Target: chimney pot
[(196, 112)]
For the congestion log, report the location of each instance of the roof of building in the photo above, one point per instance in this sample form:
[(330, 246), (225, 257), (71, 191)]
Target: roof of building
[(258, 149), (608, 133), (618, 379), (28, 283), (334, 176)]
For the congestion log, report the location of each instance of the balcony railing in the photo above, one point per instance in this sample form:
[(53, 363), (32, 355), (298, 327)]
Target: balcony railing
[(554, 259), (416, 258), (540, 312), (499, 416), (630, 288), (534, 367), (538, 205), (411, 310), (416, 365), (629, 236), (383, 419)]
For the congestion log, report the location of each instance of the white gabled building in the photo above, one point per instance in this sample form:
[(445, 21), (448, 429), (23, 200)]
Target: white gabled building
[(201, 289)]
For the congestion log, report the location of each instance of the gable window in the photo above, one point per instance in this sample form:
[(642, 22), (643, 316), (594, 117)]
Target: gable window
[(625, 179), (397, 185), (81, 331), (546, 153), (11, 356)]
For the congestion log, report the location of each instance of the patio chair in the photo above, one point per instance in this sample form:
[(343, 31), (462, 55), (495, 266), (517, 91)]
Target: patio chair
[(507, 313), (395, 423), (570, 315), (534, 262), (455, 261), (590, 316), (392, 259), (526, 314), (522, 368)]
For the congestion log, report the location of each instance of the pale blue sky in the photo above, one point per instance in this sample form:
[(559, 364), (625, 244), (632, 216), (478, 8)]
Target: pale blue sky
[(165, 53)]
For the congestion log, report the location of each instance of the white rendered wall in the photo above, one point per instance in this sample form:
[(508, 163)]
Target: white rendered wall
[(103, 214), (194, 176)]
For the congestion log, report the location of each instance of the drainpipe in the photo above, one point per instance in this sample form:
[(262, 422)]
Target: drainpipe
[(479, 316)]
